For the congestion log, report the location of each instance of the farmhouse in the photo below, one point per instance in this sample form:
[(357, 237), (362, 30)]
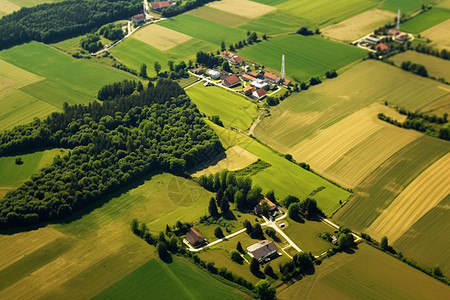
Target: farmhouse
[(213, 74), (272, 207), (247, 77), (162, 4), (382, 47), (262, 250), (272, 78), (138, 19), (286, 82), (231, 81), (197, 71), (232, 58), (194, 237), (248, 90), (393, 32), (402, 37), (372, 40)]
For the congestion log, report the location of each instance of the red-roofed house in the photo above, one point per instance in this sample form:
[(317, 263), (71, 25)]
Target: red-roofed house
[(237, 60), (382, 47), (136, 19), (286, 82), (194, 237), (402, 37), (255, 74), (272, 77), (393, 32), (227, 54), (162, 4), (247, 77), (198, 70), (272, 206), (231, 81), (259, 93), (248, 90)]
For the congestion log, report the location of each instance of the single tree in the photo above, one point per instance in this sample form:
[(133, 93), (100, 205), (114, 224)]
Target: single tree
[(161, 248), (213, 208), (143, 71), (294, 211), (239, 200), (135, 226), (257, 231), (226, 67), (224, 206), (173, 243), (19, 161), (437, 271), (254, 267), (168, 229), (171, 65), (157, 67), (248, 226), (218, 232), (222, 46), (384, 243), (269, 271), (271, 232), (265, 291), (265, 209), (239, 248), (271, 196), (235, 256)]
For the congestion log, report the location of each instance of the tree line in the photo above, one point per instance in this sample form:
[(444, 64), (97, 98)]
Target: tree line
[(158, 129), (53, 22)]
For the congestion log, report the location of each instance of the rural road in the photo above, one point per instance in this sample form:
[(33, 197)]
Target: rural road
[(335, 226), (277, 229)]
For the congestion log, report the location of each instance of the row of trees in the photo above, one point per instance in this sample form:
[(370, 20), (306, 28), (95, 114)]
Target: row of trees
[(58, 21), (209, 60), (414, 68), (158, 129)]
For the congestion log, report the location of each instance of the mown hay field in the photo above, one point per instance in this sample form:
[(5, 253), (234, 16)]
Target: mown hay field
[(160, 37), (236, 159), (283, 176), (359, 25), (305, 56), (7, 7), (96, 248), (406, 6), (219, 16), (366, 274), (435, 66), (244, 8), (177, 280), (326, 12), (424, 193), (439, 35), (427, 249), (36, 80), (233, 109), (426, 20)]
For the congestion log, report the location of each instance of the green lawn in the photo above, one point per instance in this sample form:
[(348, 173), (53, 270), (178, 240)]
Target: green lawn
[(305, 56), (177, 280), (204, 29), (283, 176), (278, 22), (406, 6), (233, 109), (426, 20)]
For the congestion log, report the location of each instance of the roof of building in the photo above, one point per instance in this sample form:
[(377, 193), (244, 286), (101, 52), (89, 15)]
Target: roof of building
[(270, 75), (260, 93), (254, 74), (238, 59), (228, 54), (213, 72), (286, 82), (248, 88), (162, 4), (382, 47), (194, 237), (197, 70), (262, 249), (271, 205), (138, 17), (248, 77), (231, 80)]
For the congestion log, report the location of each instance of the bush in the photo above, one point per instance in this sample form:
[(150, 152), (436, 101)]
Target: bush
[(218, 233), (305, 31), (236, 257), (19, 161)]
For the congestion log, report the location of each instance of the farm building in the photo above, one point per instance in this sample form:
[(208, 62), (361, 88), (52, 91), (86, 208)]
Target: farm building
[(138, 19), (334, 240), (256, 75), (248, 90), (401, 37), (272, 207), (197, 71), (194, 237), (262, 250), (393, 32), (286, 82), (382, 47), (372, 40), (272, 78), (260, 84), (259, 94), (231, 81), (233, 58), (248, 77), (162, 4), (213, 74)]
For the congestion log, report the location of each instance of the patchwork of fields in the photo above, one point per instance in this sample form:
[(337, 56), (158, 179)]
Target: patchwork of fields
[(439, 35), (426, 20), (406, 6), (305, 56), (367, 274), (9, 6)]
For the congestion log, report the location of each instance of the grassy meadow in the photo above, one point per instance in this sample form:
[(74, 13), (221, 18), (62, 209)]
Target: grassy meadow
[(177, 280), (366, 274), (9, 6), (439, 35), (233, 109), (305, 56), (39, 79), (435, 66), (426, 20), (406, 6)]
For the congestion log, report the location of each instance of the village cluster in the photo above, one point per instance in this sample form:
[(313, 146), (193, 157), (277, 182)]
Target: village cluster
[(255, 84)]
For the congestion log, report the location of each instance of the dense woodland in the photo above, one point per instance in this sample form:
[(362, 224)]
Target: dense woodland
[(158, 129), (57, 21)]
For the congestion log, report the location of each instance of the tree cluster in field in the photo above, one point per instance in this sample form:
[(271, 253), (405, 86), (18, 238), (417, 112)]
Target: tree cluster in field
[(232, 188), (92, 41), (305, 31), (209, 60), (58, 21), (331, 74), (430, 124), (298, 266), (119, 89), (182, 6), (414, 68), (176, 71), (112, 145), (252, 37), (306, 208), (216, 120), (254, 231)]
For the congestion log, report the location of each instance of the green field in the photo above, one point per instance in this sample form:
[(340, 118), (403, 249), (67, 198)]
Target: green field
[(305, 56), (367, 274), (178, 280), (406, 6), (51, 78), (326, 12), (284, 177), (270, 2), (426, 20), (278, 22), (425, 240), (233, 109), (204, 29), (436, 67), (218, 16)]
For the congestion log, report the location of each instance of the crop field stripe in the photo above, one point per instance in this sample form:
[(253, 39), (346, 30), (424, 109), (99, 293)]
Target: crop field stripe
[(406, 6), (426, 20), (244, 8), (160, 37), (439, 35), (425, 192), (218, 16)]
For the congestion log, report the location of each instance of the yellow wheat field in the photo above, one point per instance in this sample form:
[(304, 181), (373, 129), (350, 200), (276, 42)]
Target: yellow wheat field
[(425, 192), (245, 8), (160, 37), (439, 35)]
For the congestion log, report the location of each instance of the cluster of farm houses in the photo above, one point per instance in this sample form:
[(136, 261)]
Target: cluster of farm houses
[(257, 83)]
